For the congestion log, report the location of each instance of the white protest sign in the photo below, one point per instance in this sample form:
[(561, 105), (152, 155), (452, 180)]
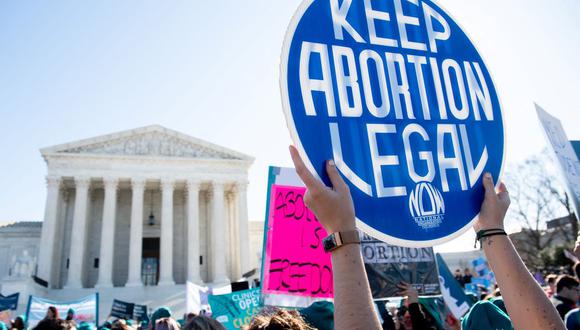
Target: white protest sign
[(566, 157)]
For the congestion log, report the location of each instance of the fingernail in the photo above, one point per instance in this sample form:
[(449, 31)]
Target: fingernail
[(331, 162), (487, 175)]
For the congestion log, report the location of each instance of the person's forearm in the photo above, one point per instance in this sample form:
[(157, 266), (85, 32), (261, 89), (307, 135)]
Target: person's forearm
[(352, 295), (519, 287)]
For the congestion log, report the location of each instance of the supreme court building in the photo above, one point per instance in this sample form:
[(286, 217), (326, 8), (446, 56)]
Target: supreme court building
[(144, 207)]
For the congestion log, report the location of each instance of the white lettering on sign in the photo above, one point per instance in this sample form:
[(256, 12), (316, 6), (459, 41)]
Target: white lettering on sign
[(380, 84)]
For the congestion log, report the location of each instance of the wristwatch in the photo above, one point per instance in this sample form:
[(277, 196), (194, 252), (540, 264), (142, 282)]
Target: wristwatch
[(340, 238)]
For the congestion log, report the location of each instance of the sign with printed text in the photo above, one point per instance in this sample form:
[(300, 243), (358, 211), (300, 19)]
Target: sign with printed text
[(388, 265), (295, 262), (564, 153), (140, 312), (9, 302), (398, 96), (122, 310), (86, 309), (452, 292), (236, 309)]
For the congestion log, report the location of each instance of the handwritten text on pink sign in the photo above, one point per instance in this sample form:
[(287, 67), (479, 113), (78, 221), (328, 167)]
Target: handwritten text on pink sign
[(296, 263)]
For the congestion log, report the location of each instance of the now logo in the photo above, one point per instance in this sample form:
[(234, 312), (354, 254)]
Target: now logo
[(426, 205)]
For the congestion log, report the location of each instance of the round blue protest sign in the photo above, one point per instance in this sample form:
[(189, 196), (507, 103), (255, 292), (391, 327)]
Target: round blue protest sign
[(397, 94)]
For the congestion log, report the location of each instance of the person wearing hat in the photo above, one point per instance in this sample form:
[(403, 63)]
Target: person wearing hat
[(319, 315), (86, 326), (486, 315), (159, 313), (70, 314)]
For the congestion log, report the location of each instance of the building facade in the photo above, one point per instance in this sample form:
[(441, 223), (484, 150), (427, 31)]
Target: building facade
[(149, 206)]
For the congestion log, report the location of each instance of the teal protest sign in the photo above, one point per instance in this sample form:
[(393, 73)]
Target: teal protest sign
[(236, 309)]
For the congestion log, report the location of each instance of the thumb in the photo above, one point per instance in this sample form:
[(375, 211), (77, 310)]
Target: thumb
[(488, 185), (337, 182), (503, 194)]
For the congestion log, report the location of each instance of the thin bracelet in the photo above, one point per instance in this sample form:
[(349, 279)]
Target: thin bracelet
[(487, 233)]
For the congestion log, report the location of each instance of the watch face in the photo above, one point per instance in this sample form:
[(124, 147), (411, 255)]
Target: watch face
[(329, 243)]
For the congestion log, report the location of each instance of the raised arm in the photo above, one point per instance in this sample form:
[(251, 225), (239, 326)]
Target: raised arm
[(334, 209), (527, 304)]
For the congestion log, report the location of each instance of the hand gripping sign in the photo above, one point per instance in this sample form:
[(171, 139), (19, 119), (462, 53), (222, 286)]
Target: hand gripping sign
[(396, 93)]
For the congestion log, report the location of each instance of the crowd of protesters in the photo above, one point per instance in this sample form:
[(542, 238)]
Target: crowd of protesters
[(517, 300)]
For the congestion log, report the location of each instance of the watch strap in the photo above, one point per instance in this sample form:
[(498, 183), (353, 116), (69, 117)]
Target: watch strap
[(338, 239)]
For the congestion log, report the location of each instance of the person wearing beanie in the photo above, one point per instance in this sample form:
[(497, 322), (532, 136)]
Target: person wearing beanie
[(159, 313), (486, 315), (319, 315), (86, 326), (70, 314), (498, 301)]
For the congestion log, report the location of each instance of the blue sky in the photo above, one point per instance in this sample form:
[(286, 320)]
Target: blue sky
[(76, 69)]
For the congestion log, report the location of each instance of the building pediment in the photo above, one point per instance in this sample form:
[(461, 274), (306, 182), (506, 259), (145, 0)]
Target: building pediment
[(152, 141)]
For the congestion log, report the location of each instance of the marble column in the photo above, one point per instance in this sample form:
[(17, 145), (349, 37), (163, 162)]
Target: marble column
[(218, 234), (47, 243), (108, 233), (136, 238), (166, 242), (243, 231), (79, 229), (193, 269)]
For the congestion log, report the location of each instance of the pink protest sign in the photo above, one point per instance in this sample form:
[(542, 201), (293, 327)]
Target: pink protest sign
[(295, 262)]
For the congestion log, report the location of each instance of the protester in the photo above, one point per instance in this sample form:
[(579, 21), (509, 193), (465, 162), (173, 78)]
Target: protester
[(319, 315), (188, 317), (467, 276), (159, 313), (52, 313), (333, 207), (107, 325), (68, 324), (566, 294), (280, 319), (70, 314), (202, 322), (143, 325), (120, 325), (166, 323), (459, 278), (86, 326), (527, 304), (335, 211), (51, 320), (572, 319), (50, 324), (417, 317), (19, 323), (486, 315), (551, 281)]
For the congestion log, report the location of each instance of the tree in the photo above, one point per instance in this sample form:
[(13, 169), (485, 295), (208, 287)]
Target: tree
[(538, 197)]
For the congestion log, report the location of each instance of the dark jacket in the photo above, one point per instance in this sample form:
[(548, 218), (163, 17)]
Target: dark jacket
[(563, 305)]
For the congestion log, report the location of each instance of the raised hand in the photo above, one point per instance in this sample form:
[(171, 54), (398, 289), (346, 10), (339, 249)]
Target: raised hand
[(332, 205), (494, 207)]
